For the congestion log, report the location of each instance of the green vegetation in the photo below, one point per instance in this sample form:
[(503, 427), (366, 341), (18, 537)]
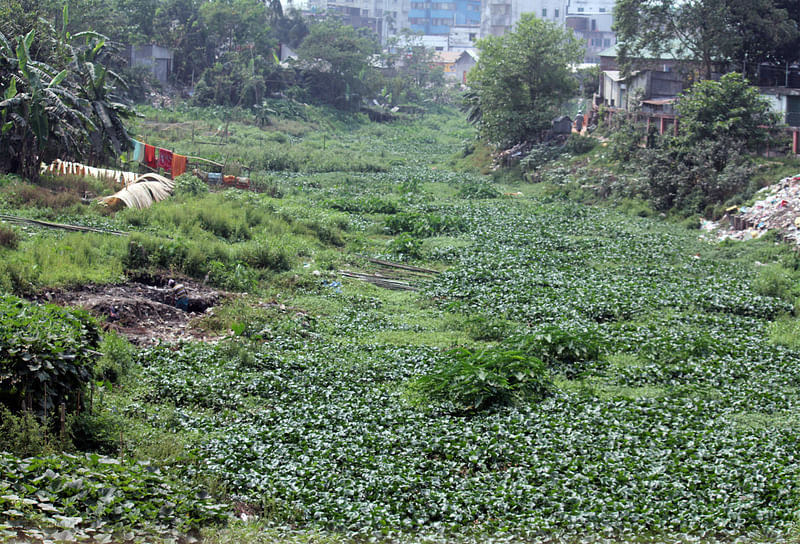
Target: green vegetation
[(574, 371), (521, 80)]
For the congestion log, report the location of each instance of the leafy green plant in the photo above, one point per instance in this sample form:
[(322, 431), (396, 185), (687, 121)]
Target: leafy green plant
[(22, 434), (46, 354), (562, 350), (478, 190), (405, 246), (190, 185), (472, 381), (577, 144)]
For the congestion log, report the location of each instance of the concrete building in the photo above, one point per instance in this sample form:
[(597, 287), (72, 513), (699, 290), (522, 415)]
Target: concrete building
[(438, 17), (159, 59), (384, 17), (590, 20)]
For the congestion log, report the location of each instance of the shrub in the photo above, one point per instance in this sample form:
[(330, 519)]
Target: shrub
[(578, 144), (774, 281), (538, 156), (425, 225), (97, 432), (22, 434), (478, 189), (8, 237), (568, 352), (406, 246), (46, 354), (189, 184), (116, 360), (481, 327), (470, 381)]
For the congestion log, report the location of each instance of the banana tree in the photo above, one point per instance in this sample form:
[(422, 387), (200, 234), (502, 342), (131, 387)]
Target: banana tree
[(40, 115), (97, 83)]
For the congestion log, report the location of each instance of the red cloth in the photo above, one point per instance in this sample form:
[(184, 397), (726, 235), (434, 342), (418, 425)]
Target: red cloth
[(165, 159), (178, 165), (150, 156)]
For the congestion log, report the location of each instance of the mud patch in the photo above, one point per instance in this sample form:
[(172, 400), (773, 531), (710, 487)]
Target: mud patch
[(144, 310)]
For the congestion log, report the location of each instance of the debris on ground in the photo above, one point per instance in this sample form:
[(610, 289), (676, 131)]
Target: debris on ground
[(140, 310), (778, 208)]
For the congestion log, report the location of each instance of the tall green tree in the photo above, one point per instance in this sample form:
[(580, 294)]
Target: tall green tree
[(729, 108), (714, 33), (335, 59), (521, 80)]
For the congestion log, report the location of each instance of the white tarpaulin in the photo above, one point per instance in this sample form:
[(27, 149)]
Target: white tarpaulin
[(146, 190)]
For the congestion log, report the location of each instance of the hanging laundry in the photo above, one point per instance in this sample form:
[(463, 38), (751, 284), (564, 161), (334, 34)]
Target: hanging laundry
[(150, 156), (138, 151), (178, 165), (165, 159)]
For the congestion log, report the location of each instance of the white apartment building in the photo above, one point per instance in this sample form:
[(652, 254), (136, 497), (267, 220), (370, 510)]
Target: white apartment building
[(591, 20)]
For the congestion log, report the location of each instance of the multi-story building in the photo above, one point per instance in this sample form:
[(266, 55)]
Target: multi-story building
[(591, 20), (384, 17), (437, 17)]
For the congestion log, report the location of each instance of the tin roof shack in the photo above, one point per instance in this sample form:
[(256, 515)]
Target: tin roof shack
[(447, 60), (158, 58), (618, 91), (464, 64), (562, 125), (781, 86)]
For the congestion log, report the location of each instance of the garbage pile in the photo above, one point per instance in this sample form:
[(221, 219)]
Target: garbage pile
[(778, 208)]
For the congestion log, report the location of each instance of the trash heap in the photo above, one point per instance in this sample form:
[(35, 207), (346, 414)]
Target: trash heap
[(778, 208)]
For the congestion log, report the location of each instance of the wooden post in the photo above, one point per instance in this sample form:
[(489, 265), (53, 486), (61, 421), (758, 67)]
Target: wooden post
[(62, 417), (795, 142)]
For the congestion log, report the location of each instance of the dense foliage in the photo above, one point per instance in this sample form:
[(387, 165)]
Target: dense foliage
[(521, 80), (71, 498), (64, 109), (639, 383), (46, 355), (716, 34)]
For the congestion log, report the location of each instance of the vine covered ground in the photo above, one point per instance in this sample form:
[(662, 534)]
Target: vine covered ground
[(671, 410)]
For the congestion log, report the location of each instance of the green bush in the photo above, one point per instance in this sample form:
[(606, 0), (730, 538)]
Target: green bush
[(487, 328), (538, 156), (189, 184), (775, 281), (469, 381), (405, 247), (578, 144), (567, 352), (22, 434), (116, 360), (97, 432), (364, 205), (478, 190), (44, 348), (8, 237), (424, 224)]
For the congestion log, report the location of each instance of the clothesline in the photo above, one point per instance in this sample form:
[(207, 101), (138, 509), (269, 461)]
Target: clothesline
[(164, 159), (65, 168)]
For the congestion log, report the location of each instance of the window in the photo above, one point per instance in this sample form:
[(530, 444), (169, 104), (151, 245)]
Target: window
[(544, 13), (555, 16), (594, 24), (365, 13), (607, 42), (602, 10), (472, 36), (580, 10)]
